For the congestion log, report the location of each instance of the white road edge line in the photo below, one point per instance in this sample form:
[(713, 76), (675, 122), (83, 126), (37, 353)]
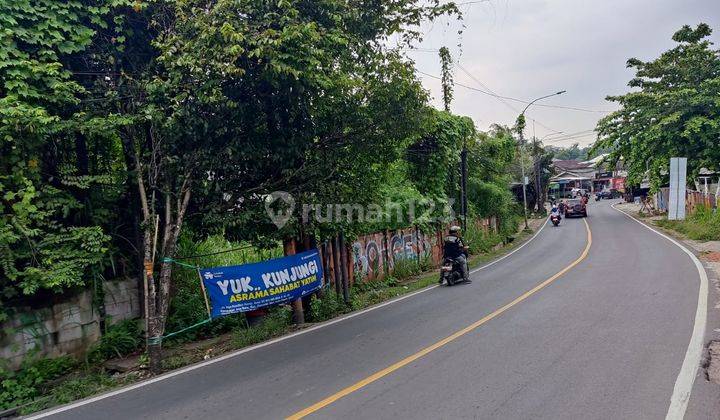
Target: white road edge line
[(511, 252), (260, 345), (693, 355)]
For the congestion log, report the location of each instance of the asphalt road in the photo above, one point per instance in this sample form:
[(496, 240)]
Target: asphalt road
[(604, 340)]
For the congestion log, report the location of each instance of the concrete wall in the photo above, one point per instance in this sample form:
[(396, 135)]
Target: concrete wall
[(69, 327)]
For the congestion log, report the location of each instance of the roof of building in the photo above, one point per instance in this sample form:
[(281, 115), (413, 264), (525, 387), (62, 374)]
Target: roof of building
[(569, 165), (596, 160)]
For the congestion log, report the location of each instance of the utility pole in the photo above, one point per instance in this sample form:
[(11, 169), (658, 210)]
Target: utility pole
[(539, 190), (521, 128), (521, 141), (447, 88), (447, 79), (463, 183)]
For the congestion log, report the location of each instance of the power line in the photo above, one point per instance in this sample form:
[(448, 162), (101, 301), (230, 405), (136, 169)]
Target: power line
[(573, 108), (490, 93), (571, 138), (567, 135)]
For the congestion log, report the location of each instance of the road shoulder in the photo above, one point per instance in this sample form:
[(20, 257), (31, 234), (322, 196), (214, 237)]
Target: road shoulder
[(705, 396)]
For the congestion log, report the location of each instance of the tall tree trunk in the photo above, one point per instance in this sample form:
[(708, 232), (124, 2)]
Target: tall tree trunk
[(159, 293)]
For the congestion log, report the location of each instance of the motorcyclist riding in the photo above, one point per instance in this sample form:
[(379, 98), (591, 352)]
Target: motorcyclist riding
[(562, 207), (555, 216), (454, 248), (554, 211)]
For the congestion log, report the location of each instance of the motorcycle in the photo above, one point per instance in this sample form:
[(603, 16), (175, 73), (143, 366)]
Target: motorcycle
[(555, 220), (450, 272)]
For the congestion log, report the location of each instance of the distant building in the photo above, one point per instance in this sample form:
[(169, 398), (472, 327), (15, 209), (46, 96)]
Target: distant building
[(708, 182), (591, 175), (571, 174)]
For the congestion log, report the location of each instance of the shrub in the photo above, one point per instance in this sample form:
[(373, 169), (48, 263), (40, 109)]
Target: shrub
[(275, 323), (23, 386), (329, 306), (404, 268), (118, 340), (479, 240)]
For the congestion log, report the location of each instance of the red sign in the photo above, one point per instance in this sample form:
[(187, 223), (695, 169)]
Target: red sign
[(618, 184)]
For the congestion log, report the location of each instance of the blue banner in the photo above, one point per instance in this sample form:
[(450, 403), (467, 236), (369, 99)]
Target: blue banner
[(242, 288)]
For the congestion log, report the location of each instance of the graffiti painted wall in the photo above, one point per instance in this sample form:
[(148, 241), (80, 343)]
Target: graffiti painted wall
[(374, 255)]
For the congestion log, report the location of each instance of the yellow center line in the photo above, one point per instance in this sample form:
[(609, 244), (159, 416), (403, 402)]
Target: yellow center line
[(404, 362)]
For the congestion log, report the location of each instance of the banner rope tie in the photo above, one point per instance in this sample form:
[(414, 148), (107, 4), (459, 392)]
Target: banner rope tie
[(159, 339)]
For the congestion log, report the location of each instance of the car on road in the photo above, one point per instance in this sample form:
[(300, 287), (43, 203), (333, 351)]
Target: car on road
[(575, 207), (605, 194)]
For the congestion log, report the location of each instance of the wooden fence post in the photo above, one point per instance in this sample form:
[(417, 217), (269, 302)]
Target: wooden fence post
[(344, 269), (337, 275), (297, 306)]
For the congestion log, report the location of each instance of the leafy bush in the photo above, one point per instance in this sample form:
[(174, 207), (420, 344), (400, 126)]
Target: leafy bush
[(329, 306), (118, 340), (23, 386), (479, 240), (404, 268), (275, 323)]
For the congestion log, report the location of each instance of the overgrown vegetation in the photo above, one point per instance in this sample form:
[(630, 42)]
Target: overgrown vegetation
[(134, 133), (703, 224), (118, 340), (671, 111), (23, 386)]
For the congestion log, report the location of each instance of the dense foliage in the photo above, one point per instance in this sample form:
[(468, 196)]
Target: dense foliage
[(126, 126), (574, 152), (60, 166), (673, 110)]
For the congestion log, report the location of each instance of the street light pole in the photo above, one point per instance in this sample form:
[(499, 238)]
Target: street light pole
[(521, 128)]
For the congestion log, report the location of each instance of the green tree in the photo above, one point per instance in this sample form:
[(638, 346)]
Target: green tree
[(673, 110), (435, 158), (302, 97), (59, 168), (574, 152), (490, 158)]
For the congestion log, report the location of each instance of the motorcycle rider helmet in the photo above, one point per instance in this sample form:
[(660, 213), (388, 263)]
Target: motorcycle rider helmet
[(454, 229)]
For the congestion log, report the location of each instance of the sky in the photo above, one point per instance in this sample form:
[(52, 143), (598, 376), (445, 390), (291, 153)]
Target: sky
[(531, 48)]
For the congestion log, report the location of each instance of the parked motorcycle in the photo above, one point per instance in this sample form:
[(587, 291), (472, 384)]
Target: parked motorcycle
[(555, 220)]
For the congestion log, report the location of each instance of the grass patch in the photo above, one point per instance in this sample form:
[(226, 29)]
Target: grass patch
[(118, 340), (702, 225), (277, 322), (77, 386), (43, 383)]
